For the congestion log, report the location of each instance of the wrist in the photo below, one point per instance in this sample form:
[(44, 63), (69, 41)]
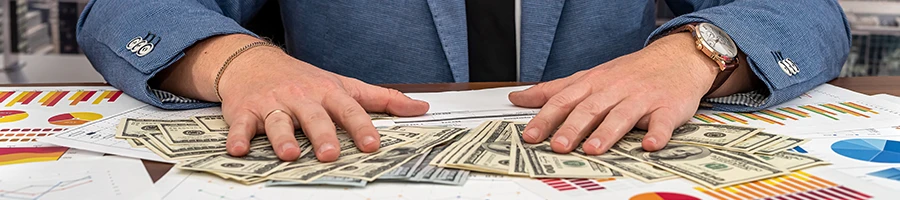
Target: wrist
[(681, 51), (243, 67)]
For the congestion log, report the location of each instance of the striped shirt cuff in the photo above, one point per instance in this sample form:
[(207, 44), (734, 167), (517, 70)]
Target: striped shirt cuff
[(752, 99), (168, 97)]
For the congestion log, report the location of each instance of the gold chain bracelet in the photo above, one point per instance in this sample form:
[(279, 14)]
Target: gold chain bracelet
[(232, 57)]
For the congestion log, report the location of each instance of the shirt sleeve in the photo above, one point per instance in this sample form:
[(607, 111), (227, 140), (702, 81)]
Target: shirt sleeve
[(129, 41), (792, 46)]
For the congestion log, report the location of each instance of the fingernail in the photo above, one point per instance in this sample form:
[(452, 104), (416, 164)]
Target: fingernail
[(367, 140), (532, 134), (287, 147), (326, 147), (593, 143), (652, 141), (563, 141)]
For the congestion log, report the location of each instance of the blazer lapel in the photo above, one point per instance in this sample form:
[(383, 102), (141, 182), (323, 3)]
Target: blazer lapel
[(450, 22), (539, 20)]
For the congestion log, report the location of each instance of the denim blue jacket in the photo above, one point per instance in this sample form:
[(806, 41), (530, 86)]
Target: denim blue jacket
[(792, 46)]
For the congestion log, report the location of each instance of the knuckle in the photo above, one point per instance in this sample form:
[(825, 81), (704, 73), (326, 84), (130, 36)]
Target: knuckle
[(592, 108), (539, 123), (568, 130), (349, 111), (561, 101)]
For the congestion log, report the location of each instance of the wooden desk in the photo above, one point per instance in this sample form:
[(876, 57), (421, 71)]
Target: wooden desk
[(866, 85)]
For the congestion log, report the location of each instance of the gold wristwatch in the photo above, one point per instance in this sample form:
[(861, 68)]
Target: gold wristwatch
[(717, 45)]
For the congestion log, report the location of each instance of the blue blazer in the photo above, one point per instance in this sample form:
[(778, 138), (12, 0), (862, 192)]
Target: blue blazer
[(792, 46)]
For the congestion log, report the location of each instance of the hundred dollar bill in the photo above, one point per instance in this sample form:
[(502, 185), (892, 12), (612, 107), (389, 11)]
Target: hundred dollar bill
[(441, 156), (404, 170), (380, 116), (544, 163), (517, 165), (435, 174), (211, 123), (180, 152), (134, 142), (491, 128), (376, 165), (491, 155), (756, 142), (324, 180), (312, 171), (713, 135), (178, 134), (137, 128), (787, 143), (259, 162), (709, 167), (792, 161), (629, 166)]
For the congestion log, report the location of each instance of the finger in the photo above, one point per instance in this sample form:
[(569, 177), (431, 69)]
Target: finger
[(378, 99), (643, 123), (617, 123), (241, 129), (319, 129), (583, 120), (280, 129), (538, 95), (662, 122), (553, 113), (351, 116)]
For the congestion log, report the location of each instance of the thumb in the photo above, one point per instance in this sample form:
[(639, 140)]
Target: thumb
[(379, 99)]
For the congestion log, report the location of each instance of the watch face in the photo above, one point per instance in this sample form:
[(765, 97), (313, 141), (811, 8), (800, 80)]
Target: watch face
[(717, 40)]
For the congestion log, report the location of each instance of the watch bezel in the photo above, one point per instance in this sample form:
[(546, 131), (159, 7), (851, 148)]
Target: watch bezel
[(722, 59)]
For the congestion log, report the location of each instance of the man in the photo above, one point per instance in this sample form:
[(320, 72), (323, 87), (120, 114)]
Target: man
[(609, 67)]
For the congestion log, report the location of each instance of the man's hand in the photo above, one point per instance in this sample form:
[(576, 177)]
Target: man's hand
[(657, 89), (265, 79)]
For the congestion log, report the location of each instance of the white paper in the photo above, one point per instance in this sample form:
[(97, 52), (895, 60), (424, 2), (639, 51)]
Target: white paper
[(100, 178), (888, 97)]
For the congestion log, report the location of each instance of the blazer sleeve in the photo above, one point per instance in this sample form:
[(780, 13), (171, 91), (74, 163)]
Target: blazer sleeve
[(792, 46), (129, 41)]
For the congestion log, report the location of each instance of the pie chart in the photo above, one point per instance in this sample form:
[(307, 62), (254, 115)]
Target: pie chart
[(662, 196), (74, 118), (12, 115), (868, 149)]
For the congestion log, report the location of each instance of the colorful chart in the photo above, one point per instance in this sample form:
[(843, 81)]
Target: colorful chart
[(662, 196), (74, 118), (797, 185), (13, 136), (26, 155), (7, 116), (872, 150), (52, 98), (779, 116), (889, 173), (25, 98)]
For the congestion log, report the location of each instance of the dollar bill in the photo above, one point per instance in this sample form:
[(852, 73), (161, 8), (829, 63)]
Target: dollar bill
[(713, 135), (543, 162), (792, 161), (324, 180), (708, 167), (517, 167), (629, 166), (211, 123), (491, 155), (404, 170), (169, 152), (787, 143), (137, 128), (380, 116), (179, 134), (312, 171), (259, 162), (459, 155), (134, 142), (756, 142), (378, 164), (434, 174)]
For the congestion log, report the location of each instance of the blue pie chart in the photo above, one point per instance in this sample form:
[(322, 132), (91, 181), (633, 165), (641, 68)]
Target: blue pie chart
[(870, 150)]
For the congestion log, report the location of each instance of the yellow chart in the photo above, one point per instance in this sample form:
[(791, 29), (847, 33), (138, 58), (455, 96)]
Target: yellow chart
[(7, 116), (797, 185)]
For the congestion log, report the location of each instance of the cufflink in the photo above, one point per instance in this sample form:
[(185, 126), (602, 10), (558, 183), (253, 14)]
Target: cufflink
[(141, 46), (786, 64)]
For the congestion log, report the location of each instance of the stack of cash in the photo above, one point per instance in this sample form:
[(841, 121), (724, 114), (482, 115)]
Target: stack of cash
[(710, 154), (199, 144)]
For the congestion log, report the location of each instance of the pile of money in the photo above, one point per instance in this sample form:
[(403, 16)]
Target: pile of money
[(712, 155), (199, 144)]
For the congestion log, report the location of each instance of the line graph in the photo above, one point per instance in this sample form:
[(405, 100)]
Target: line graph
[(39, 190)]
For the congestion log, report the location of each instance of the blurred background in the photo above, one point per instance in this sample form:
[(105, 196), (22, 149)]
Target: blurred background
[(38, 42)]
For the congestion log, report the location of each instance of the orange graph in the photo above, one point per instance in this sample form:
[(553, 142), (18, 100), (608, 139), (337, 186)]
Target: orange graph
[(81, 96), (797, 185), (24, 98), (52, 97), (779, 116)]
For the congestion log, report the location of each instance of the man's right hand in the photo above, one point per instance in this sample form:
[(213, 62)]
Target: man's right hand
[(265, 79)]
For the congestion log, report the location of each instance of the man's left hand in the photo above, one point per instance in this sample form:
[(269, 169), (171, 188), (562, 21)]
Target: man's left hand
[(657, 89)]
